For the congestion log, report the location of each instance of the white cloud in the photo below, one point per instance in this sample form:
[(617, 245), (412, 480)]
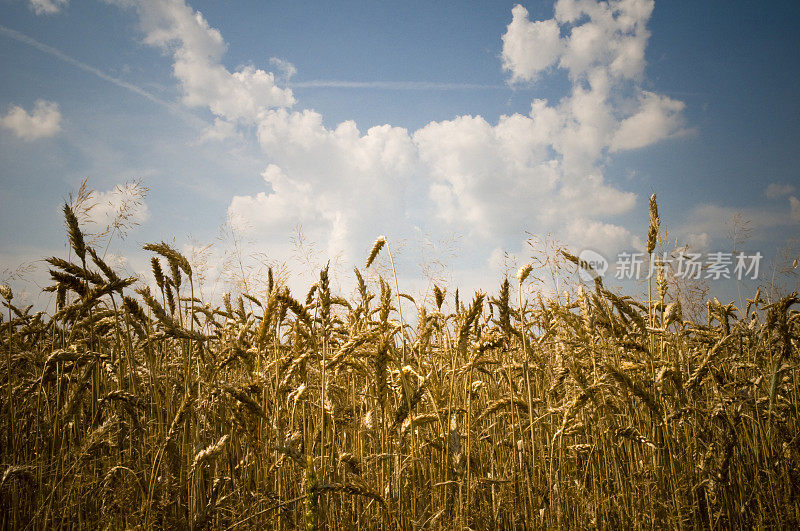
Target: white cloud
[(497, 263), (776, 190), (220, 130), (605, 238), (500, 179), (289, 201), (338, 183), (530, 47), (658, 117), (43, 122), (115, 261), (491, 180), (197, 50), (614, 36), (602, 50), (47, 7), (609, 35), (287, 68)]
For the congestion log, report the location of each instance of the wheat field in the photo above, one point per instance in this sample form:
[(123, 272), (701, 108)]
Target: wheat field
[(131, 406)]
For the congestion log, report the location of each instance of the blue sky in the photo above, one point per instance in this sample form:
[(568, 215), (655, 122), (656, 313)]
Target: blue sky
[(455, 128)]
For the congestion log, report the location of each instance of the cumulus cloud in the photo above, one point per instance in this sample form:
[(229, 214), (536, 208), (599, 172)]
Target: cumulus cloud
[(490, 179), (340, 184), (499, 178), (606, 238), (197, 50), (603, 51), (47, 7), (608, 35), (530, 47), (287, 201), (658, 117), (43, 122)]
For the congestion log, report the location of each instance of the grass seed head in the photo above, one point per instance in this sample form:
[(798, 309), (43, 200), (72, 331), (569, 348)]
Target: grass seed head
[(376, 248)]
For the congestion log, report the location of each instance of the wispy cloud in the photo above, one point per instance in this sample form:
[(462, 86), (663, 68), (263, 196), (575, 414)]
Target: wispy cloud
[(776, 190), (392, 85), (171, 107)]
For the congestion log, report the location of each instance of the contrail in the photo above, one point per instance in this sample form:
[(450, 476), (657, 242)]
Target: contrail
[(392, 85), (175, 109), (181, 112)]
